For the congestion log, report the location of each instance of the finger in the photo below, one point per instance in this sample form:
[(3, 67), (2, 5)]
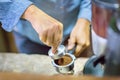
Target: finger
[(79, 49), (58, 34), (57, 37), (50, 37), (43, 37), (54, 49), (55, 46), (71, 43)]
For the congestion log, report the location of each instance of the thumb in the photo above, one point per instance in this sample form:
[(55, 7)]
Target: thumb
[(71, 43), (54, 47)]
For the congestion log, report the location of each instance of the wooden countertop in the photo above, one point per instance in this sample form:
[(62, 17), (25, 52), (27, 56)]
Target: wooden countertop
[(22, 76)]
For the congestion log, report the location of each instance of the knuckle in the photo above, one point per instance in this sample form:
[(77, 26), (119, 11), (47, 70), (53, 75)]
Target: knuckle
[(55, 25), (58, 25)]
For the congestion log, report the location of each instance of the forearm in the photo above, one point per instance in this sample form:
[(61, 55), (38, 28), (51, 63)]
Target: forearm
[(35, 15), (30, 13), (83, 21)]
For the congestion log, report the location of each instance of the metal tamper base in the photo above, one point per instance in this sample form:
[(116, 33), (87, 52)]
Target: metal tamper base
[(61, 51)]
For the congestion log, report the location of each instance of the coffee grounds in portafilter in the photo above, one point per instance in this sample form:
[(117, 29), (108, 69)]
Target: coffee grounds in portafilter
[(65, 60)]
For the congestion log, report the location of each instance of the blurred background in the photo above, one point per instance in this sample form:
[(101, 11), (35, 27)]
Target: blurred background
[(7, 43)]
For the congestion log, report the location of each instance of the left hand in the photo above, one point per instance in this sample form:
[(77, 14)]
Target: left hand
[(80, 36)]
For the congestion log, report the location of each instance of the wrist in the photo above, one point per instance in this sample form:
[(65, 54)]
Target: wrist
[(30, 13), (82, 24), (83, 21)]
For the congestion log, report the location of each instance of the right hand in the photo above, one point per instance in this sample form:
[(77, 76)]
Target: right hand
[(50, 30)]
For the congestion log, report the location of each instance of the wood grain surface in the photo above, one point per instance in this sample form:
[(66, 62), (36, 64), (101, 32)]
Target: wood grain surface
[(23, 76)]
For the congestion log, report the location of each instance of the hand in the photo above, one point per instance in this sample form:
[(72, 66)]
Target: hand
[(50, 30), (80, 36)]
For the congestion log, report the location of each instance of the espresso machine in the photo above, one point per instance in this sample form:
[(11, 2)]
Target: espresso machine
[(106, 24)]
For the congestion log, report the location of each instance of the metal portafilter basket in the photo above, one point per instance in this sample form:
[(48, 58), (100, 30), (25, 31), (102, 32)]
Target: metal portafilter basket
[(63, 60)]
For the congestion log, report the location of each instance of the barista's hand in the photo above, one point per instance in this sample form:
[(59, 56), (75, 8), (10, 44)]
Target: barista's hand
[(80, 36), (50, 30)]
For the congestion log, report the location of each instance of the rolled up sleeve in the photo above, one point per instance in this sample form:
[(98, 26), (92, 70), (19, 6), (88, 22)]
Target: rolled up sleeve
[(11, 11), (85, 10)]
